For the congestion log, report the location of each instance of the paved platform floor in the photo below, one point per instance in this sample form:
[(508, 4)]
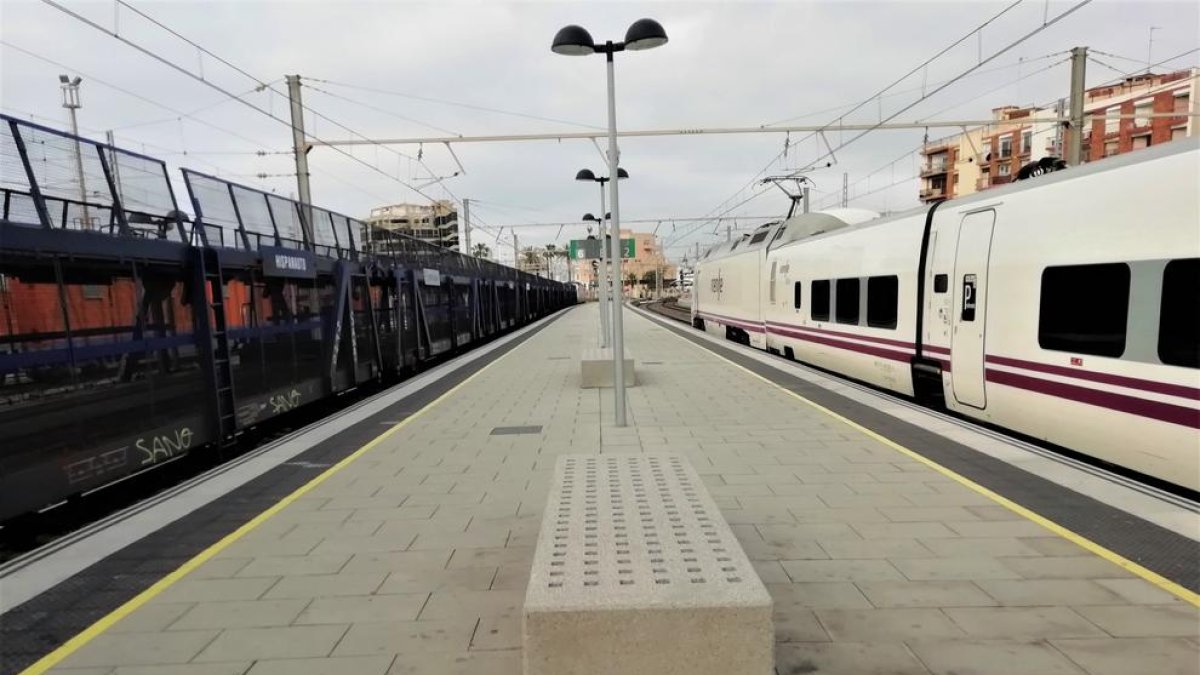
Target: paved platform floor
[(414, 558)]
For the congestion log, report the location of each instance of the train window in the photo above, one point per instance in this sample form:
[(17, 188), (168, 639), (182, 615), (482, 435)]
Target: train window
[(799, 286), (1084, 309), (759, 236), (883, 299), (1178, 320), (847, 301), (820, 300), (941, 283)]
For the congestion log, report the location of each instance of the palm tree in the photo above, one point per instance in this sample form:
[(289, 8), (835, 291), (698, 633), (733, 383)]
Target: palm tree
[(530, 258), (481, 251)]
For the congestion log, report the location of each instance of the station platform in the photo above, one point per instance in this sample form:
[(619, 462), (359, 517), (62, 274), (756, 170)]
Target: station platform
[(411, 553)]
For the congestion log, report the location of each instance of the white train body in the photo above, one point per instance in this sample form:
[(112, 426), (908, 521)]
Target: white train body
[(1066, 307)]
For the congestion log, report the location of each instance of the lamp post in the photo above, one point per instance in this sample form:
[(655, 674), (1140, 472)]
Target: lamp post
[(602, 280), (70, 90), (576, 41)]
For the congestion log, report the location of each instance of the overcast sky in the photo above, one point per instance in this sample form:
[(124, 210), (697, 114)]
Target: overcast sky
[(727, 64)]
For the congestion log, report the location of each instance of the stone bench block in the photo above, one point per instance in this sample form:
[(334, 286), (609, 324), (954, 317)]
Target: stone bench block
[(637, 573), (596, 369)]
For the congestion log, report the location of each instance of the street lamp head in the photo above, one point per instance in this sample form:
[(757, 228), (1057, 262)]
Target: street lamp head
[(645, 34), (64, 79), (622, 173), (587, 217), (573, 41), (75, 82), (585, 174)]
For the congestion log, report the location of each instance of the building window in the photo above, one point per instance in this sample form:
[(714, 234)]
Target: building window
[(1004, 169), (1142, 141), (1112, 123), (1181, 103), (847, 301), (820, 300), (1005, 146), (1141, 113), (797, 292), (1111, 148), (883, 298), (1026, 142), (986, 151), (1084, 309), (1178, 133), (1178, 320)]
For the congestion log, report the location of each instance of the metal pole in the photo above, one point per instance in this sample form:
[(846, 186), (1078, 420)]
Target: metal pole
[(112, 160), (466, 247), (1075, 138), (300, 148), (617, 328), (728, 233), (516, 252), (71, 103), (845, 189), (602, 275), (805, 199)]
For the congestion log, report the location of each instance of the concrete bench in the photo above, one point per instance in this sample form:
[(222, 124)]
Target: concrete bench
[(637, 573), (596, 368)]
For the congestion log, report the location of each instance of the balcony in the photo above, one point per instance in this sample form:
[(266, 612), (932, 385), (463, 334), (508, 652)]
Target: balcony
[(933, 170), (930, 194)]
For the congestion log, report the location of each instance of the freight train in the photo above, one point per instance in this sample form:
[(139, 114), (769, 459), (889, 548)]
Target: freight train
[(1065, 307), (132, 333)]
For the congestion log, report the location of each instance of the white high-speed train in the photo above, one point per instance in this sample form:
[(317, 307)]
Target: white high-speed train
[(1064, 307)]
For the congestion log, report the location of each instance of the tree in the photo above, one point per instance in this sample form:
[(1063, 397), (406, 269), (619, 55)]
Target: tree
[(649, 278), (531, 258), (481, 251)]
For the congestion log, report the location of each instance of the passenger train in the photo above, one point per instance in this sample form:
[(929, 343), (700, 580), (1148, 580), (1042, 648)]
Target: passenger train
[(1065, 307)]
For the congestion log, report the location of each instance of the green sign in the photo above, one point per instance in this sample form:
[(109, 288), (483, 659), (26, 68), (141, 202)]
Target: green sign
[(589, 249)]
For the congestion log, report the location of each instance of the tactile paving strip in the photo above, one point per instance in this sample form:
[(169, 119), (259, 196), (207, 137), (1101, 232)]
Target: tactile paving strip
[(636, 529)]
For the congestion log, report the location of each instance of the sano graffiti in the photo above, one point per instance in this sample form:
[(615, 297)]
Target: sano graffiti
[(284, 402), (161, 447)]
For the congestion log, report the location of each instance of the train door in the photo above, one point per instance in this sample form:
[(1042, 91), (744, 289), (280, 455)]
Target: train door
[(970, 307)]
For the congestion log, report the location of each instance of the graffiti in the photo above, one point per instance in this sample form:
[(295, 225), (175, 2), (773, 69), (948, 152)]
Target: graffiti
[(162, 447), (96, 465), (284, 402)]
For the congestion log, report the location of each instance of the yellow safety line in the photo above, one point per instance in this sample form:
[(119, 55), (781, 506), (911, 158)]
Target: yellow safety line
[(107, 621), (1115, 558)]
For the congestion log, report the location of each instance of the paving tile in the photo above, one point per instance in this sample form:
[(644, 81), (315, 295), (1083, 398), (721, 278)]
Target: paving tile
[(857, 658), (278, 566), (1040, 592), (998, 528), (344, 665), (214, 590), (326, 585), (1138, 591), (828, 595), (798, 625), (362, 609), (134, 649), (484, 539), (153, 616), (273, 643), (427, 580), (1032, 623), (992, 657), (219, 568), (1132, 656), (406, 637), (240, 614), (1145, 620), (491, 557), (886, 625), (924, 594), (452, 604), (224, 668), (473, 663), (903, 530), (840, 570), (980, 546), (1069, 567), (972, 568), (875, 548), (1055, 546), (392, 561), (494, 632)]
